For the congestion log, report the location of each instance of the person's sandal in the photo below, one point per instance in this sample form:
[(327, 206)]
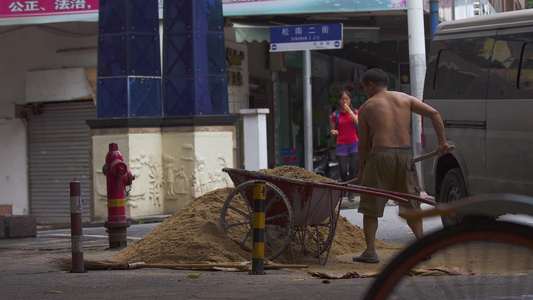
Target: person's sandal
[(367, 258)]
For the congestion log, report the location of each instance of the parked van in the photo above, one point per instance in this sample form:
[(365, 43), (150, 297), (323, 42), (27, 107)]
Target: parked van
[(480, 78)]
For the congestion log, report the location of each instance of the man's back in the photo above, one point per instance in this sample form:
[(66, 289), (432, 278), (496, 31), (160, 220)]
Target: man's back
[(388, 116)]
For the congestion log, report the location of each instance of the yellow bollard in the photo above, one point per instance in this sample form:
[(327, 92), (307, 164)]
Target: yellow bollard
[(258, 252)]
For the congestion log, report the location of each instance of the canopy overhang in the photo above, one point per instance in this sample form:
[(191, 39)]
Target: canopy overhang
[(260, 33)]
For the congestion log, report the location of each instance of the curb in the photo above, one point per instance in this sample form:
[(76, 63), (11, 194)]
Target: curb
[(133, 221)]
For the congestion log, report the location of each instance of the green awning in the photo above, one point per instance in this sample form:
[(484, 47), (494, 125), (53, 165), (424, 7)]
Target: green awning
[(250, 33)]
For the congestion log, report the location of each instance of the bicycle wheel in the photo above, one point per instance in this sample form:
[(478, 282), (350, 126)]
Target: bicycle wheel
[(496, 259)]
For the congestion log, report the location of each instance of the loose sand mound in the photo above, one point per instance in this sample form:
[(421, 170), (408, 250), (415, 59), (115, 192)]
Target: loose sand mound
[(192, 234)]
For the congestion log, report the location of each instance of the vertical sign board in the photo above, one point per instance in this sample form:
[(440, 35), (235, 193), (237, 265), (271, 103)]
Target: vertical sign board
[(306, 37)]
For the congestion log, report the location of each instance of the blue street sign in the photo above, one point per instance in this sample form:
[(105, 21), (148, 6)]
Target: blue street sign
[(306, 37)]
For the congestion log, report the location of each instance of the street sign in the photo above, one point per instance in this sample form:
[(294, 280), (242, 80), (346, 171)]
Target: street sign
[(305, 37)]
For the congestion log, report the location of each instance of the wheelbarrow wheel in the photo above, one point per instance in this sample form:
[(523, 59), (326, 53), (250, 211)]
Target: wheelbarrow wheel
[(236, 219), (317, 239)]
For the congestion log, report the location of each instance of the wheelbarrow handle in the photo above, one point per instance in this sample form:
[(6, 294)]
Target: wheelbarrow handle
[(416, 159), (431, 154)]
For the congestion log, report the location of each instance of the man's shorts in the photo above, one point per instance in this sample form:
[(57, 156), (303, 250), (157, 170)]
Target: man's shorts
[(391, 169)]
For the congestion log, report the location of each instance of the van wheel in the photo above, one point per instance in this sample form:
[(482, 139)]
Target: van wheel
[(453, 188)]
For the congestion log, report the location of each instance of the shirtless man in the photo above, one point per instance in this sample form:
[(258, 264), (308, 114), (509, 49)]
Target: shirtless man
[(388, 163)]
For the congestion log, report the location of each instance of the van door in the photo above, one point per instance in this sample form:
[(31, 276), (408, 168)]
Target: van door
[(459, 67), (509, 108)]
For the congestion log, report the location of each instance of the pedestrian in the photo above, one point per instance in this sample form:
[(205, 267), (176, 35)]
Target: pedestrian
[(388, 164), (344, 125)]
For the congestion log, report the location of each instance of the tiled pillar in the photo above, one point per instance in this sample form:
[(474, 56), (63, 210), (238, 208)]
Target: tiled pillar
[(129, 68), (194, 59), (177, 146)]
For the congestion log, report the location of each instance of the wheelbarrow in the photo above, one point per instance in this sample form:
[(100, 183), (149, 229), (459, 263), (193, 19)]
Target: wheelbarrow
[(299, 214)]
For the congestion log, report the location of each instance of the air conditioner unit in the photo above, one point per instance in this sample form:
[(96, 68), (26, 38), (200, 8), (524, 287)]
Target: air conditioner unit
[(61, 85)]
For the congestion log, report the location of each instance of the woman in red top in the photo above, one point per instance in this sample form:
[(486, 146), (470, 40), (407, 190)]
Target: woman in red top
[(343, 125)]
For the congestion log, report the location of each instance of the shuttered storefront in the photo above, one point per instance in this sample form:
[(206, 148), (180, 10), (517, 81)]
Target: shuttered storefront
[(58, 142)]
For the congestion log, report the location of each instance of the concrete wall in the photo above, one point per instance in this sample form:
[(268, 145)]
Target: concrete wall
[(13, 169), (26, 48), (41, 47)]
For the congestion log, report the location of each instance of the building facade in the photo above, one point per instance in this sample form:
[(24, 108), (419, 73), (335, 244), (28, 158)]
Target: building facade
[(48, 92)]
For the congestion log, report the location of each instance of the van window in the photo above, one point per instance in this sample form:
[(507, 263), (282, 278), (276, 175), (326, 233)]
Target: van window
[(511, 74), (526, 69), (462, 69)]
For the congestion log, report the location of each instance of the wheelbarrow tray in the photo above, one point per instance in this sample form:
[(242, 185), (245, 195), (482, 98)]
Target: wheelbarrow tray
[(312, 202)]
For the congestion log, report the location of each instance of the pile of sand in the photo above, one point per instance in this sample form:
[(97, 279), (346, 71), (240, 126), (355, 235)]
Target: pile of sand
[(193, 235), (297, 173)]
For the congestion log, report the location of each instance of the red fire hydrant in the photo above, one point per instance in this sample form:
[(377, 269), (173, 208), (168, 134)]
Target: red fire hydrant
[(118, 177)]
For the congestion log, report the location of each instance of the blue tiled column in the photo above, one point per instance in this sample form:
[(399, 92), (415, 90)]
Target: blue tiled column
[(129, 62), (194, 59)]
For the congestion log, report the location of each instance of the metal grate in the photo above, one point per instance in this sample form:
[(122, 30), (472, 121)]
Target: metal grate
[(58, 150)]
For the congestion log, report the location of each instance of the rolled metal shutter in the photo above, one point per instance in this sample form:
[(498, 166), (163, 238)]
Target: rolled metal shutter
[(58, 142)]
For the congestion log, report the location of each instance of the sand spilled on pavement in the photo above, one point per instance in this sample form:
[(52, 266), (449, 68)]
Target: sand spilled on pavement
[(193, 235)]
